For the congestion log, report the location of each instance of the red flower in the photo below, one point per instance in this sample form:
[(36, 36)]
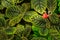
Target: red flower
[(45, 15)]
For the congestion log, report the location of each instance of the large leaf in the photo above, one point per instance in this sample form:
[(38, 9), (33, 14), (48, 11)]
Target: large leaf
[(39, 5), (51, 5), (17, 19), (12, 11)]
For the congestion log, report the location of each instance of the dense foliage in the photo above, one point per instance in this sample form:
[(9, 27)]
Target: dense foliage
[(29, 19)]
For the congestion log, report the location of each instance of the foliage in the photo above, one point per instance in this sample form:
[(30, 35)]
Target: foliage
[(23, 20)]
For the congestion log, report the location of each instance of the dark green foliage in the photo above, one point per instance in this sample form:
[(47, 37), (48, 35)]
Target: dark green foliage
[(24, 20)]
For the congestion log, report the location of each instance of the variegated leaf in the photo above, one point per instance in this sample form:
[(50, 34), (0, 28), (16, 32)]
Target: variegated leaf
[(51, 5), (39, 5)]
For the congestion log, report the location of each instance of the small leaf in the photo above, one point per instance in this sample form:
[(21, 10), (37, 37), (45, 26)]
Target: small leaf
[(39, 5)]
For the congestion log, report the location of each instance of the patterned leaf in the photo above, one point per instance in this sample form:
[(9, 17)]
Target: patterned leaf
[(26, 31), (53, 32), (54, 18), (2, 22), (43, 31), (39, 5), (20, 28), (12, 11), (51, 5), (29, 15), (7, 3), (10, 30), (17, 19)]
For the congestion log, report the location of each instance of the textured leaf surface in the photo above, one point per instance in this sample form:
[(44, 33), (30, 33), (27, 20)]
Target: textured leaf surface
[(39, 5), (26, 31), (54, 18), (51, 5), (29, 15), (20, 28), (7, 3), (17, 19), (12, 11), (2, 22), (43, 31), (10, 30)]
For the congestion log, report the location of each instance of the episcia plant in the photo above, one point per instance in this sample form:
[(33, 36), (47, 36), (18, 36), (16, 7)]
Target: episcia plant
[(29, 20)]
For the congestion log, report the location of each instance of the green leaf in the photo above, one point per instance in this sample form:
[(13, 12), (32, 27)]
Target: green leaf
[(26, 31), (43, 31), (54, 18), (2, 22), (12, 11), (51, 5), (1, 6), (53, 32), (7, 3), (18, 18), (18, 1), (20, 28), (39, 5), (3, 35), (35, 29), (29, 15), (10, 30)]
